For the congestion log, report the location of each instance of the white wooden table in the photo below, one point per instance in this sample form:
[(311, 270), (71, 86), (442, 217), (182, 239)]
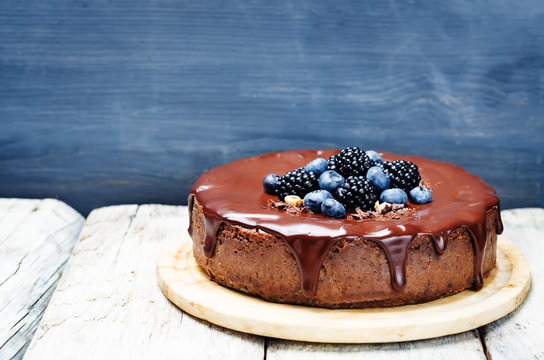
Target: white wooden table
[(108, 304), (36, 240)]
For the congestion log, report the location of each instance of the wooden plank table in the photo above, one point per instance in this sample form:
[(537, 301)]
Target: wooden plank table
[(108, 304), (36, 240)]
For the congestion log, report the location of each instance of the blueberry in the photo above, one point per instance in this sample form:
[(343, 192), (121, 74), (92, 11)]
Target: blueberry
[(377, 176), (314, 199), (317, 166), (395, 196), (333, 208), (330, 180), (374, 156), (269, 183), (420, 195)]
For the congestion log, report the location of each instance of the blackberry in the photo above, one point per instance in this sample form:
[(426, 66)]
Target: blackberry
[(351, 161), (357, 192), (297, 182), (403, 174)]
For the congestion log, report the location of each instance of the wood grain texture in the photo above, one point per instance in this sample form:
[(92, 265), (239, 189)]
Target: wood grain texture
[(110, 102), (185, 284), (462, 346), (108, 303), (519, 335), (36, 240)]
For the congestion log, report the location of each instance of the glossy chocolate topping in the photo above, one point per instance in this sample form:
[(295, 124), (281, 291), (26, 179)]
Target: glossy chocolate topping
[(234, 193)]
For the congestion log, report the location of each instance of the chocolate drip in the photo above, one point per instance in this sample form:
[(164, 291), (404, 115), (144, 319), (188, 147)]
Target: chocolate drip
[(310, 265), (396, 249), (190, 204), (478, 232), (499, 228), (233, 194), (440, 241), (212, 225)]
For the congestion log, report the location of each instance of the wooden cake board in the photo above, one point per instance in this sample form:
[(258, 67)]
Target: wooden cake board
[(188, 287)]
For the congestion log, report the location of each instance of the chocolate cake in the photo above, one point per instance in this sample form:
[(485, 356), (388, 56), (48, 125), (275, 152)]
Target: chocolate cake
[(408, 257)]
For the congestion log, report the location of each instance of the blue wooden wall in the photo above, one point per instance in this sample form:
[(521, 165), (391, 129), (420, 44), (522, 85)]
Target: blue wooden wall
[(107, 102)]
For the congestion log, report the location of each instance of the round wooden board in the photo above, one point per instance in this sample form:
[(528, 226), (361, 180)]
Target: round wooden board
[(187, 286)]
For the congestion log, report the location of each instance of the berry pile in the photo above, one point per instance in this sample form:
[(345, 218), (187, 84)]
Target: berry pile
[(351, 179)]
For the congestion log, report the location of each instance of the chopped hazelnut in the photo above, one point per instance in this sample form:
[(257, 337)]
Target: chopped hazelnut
[(293, 200)]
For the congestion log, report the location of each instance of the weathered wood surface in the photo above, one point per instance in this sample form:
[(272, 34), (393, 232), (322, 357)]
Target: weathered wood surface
[(36, 240), (111, 102), (108, 303), (519, 335), (462, 346)]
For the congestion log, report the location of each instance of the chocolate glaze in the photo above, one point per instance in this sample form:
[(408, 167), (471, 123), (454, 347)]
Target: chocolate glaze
[(233, 193)]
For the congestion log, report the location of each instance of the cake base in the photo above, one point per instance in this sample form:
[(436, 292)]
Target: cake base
[(185, 284)]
